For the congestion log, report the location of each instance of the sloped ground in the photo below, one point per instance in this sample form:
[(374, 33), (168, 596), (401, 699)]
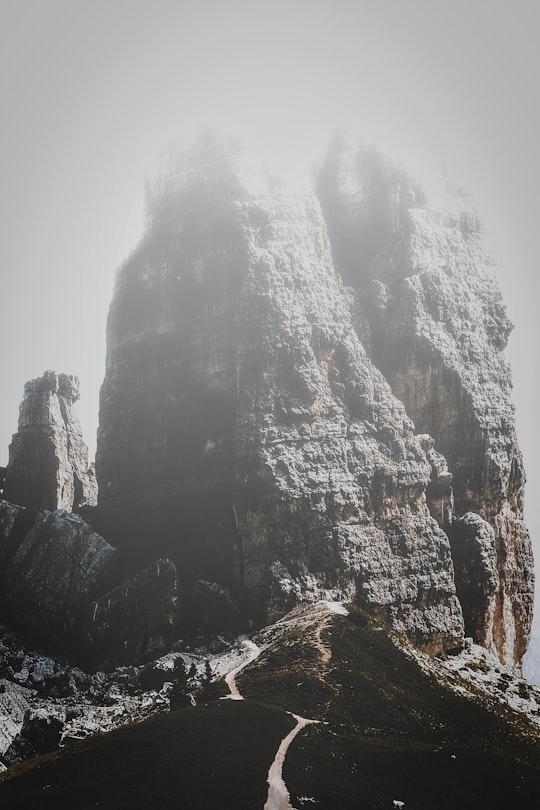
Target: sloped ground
[(213, 756), (391, 731)]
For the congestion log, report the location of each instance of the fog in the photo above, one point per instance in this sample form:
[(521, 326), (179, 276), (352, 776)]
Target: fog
[(93, 90)]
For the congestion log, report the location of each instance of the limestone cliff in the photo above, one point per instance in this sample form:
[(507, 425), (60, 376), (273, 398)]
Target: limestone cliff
[(48, 459), (438, 329), (305, 397), (244, 429)]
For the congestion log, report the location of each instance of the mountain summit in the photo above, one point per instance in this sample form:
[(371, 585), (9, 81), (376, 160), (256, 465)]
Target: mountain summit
[(306, 397), (310, 501)]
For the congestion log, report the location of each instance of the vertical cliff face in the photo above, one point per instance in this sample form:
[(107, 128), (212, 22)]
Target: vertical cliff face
[(48, 459), (438, 330), (245, 431), (307, 397), (166, 442)]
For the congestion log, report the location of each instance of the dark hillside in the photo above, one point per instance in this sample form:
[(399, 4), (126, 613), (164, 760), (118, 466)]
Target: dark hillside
[(390, 731)]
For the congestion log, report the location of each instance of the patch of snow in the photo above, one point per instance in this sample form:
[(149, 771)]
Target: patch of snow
[(475, 668), (336, 607)]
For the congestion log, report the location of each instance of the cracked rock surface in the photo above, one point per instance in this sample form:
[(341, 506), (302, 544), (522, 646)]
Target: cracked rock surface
[(48, 459), (253, 414)]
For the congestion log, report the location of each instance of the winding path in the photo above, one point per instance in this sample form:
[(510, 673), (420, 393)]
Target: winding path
[(230, 678), (278, 795), (325, 651)]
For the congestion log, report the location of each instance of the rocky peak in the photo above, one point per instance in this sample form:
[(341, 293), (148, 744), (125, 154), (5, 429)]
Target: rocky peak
[(244, 430), (438, 329), (48, 459), (305, 398)]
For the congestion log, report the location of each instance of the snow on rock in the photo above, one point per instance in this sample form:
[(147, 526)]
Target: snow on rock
[(475, 668), (35, 688), (482, 669)]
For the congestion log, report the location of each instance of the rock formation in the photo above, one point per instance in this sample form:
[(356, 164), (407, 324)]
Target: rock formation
[(55, 572), (245, 431), (132, 622), (305, 398), (48, 459), (63, 585), (425, 282)]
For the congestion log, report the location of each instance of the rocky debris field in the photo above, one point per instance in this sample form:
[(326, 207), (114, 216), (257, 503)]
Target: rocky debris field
[(47, 703)]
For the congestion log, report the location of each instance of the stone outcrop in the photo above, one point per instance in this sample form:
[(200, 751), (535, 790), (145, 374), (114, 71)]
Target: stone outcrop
[(48, 459), (438, 328), (61, 587), (57, 570), (245, 431), (477, 575), (13, 706), (134, 621), (15, 523), (40, 733), (212, 609), (305, 397)]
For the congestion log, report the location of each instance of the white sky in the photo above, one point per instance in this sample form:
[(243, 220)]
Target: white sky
[(91, 90)]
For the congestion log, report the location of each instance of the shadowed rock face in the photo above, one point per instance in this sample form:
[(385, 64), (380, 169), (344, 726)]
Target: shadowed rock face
[(438, 332), (63, 585), (245, 431), (132, 622), (305, 398), (48, 459), (55, 572)]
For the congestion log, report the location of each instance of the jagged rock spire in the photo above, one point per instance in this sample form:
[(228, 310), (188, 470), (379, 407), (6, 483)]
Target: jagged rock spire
[(48, 459)]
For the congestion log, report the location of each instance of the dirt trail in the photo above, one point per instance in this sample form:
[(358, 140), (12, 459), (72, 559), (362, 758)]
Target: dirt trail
[(278, 795), (230, 678), (326, 652)]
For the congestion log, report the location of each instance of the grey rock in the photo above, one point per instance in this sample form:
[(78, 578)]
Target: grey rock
[(57, 570), (135, 621), (243, 426), (212, 609), (40, 733), (15, 523), (48, 459), (477, 577), (14, 702), (438, 331)]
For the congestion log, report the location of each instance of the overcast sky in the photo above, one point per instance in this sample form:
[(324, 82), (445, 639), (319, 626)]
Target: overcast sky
[(91, 90)]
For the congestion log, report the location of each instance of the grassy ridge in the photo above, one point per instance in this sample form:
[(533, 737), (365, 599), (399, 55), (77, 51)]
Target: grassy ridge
[(392, 731)]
